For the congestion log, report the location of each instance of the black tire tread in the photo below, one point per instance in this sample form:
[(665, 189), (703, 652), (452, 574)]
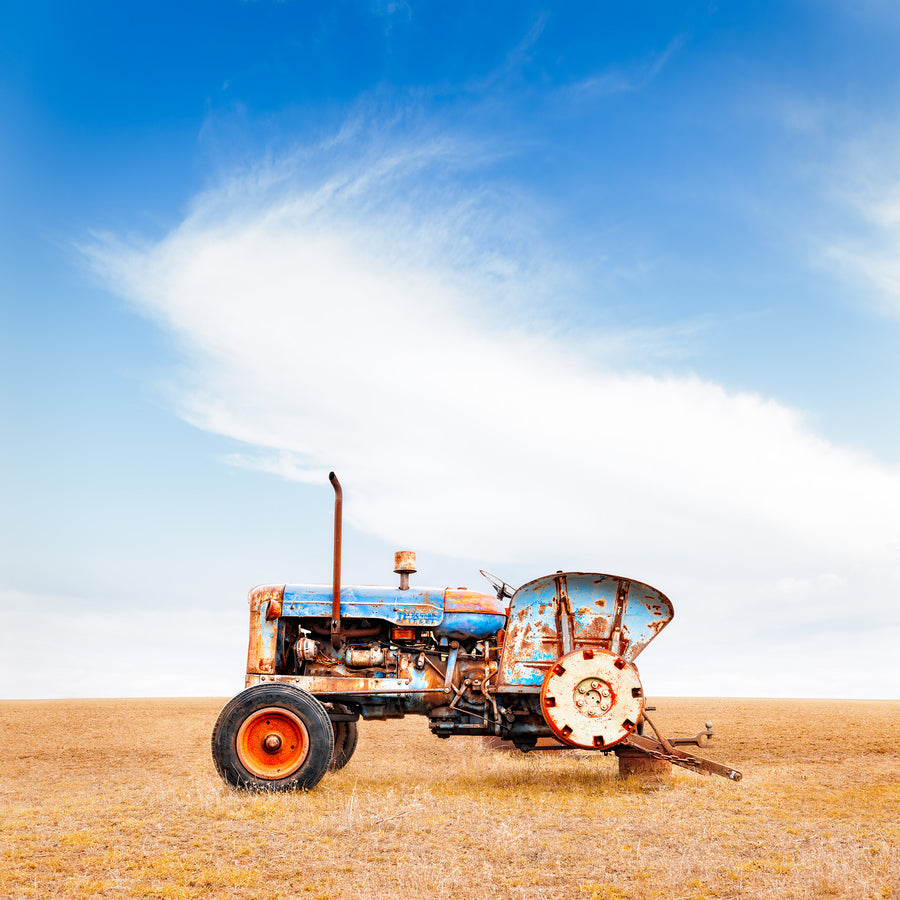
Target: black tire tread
[(259, 696), (346, 737)]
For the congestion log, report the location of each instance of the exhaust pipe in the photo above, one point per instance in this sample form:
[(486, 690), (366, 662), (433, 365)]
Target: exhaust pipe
[(336, 639)]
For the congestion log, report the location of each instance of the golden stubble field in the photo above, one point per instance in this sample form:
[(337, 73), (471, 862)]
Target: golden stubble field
[(119, 798)]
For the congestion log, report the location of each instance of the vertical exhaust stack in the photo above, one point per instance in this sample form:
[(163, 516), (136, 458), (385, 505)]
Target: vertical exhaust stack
[(336, 639)]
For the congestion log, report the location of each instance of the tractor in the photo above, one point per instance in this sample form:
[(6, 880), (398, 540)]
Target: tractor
[(551, 662)]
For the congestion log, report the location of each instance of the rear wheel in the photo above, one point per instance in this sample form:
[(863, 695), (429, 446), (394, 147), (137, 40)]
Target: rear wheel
[(273, 737)]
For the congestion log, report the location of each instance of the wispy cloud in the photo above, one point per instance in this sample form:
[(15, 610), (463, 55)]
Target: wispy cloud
[(838, 202), (878, 266), (625, 79), (513, 63), (388, 8), (864, 245), (381, 318)]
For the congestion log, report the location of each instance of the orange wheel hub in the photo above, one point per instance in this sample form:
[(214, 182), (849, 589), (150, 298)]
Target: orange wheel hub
[(272, 743)]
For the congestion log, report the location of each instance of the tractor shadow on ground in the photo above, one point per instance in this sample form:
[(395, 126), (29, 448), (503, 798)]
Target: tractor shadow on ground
[(537, 777)]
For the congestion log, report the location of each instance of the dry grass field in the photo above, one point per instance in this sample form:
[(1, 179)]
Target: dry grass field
[(119, 798)]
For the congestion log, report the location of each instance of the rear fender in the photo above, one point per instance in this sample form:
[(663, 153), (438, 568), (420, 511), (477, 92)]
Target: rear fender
[(558, 613)]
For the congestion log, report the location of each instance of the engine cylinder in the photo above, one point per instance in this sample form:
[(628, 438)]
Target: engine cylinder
[(366, 657)]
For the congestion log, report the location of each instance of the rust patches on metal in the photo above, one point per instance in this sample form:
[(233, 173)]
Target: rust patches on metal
[(655, 749), (404, 566), (594, 630), (261, 648), (460, 600), (592, 698), (272, 743), (565, 621), (616, 628), (273, 610), (320, 684), (633, 762), (265, 593)]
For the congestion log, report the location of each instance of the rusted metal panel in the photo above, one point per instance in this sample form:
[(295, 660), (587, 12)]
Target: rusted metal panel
[(419, 607), (455, 613), (582, 608), (469, 614), (460, 600), (262, 646), (322, 684)]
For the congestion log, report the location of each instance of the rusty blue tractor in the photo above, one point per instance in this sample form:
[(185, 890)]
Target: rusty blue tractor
[(551, 662)]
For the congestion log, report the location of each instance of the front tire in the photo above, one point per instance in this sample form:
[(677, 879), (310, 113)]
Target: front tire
[(273, 737), (346, 736)]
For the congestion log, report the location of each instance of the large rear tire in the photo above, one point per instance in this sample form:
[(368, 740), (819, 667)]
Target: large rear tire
[(273, 737)]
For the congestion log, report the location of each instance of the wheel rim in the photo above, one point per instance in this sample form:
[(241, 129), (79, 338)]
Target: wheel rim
[(272, 743), (592, 698)]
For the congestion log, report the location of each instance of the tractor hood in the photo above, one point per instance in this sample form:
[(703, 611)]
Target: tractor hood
[(458, 613)]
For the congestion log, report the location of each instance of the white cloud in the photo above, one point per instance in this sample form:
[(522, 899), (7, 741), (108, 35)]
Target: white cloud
[(376, 318)]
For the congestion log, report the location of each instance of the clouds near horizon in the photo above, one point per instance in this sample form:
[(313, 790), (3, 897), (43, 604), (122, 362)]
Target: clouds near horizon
[(560, 286), (356, 321)]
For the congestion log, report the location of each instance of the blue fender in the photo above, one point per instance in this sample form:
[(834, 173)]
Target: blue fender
[(553, 615)]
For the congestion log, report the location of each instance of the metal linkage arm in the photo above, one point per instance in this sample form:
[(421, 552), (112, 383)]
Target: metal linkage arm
[(655, 748)]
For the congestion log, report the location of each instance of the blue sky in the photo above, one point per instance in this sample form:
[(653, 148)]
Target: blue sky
[(601, 286)]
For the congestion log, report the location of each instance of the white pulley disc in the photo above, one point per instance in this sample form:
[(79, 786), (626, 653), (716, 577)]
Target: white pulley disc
[(592, 698)]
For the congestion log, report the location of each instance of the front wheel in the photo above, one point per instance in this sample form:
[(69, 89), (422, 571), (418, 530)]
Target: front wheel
[(273, 737), (346, 735)]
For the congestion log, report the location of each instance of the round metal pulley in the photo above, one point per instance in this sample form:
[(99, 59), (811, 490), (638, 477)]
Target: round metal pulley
[(592, 698)]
